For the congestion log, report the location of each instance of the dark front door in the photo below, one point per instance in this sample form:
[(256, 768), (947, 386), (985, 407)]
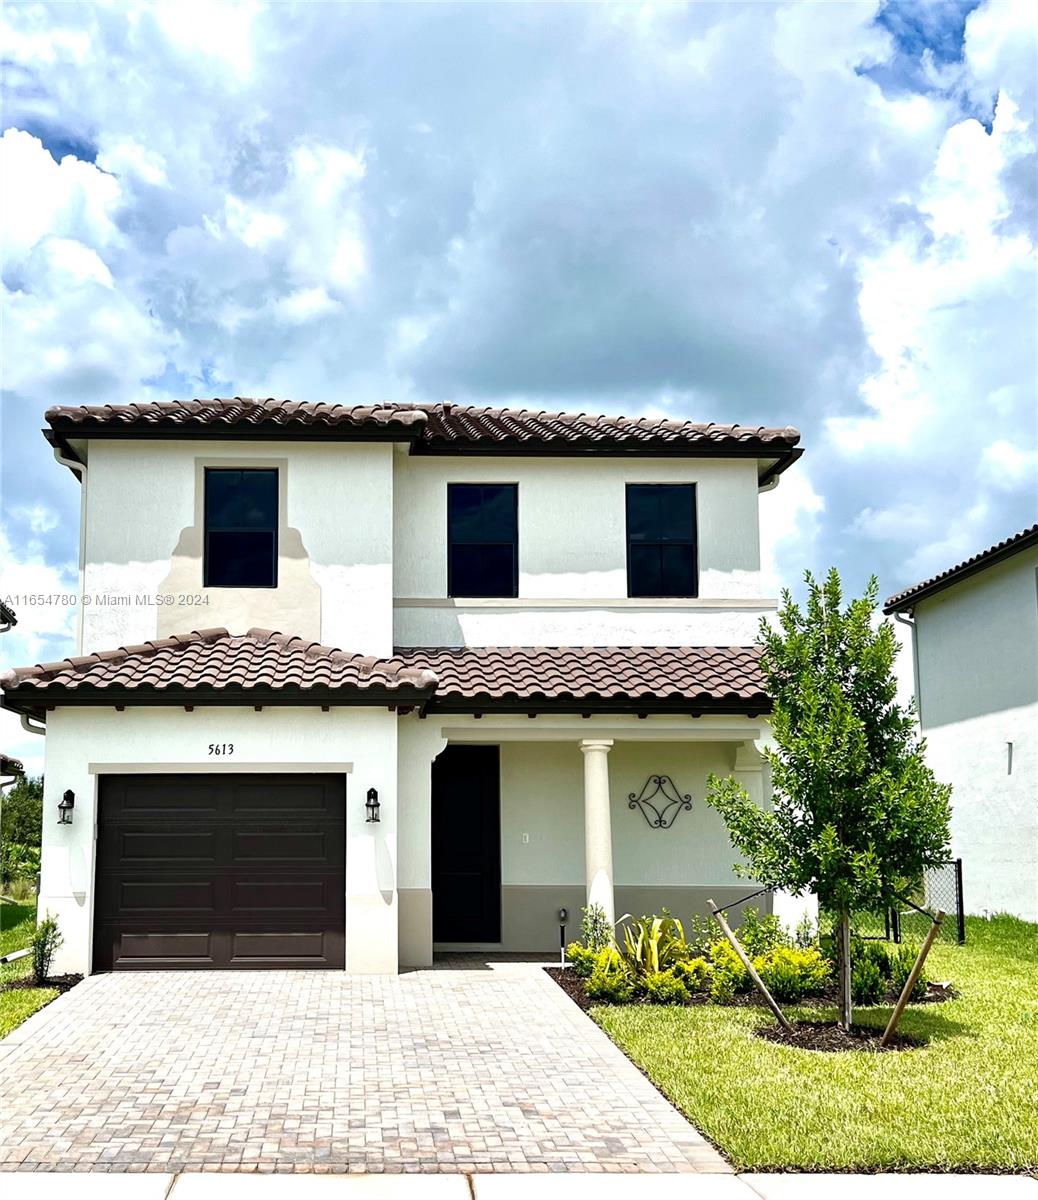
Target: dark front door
[(466, 845), (237, 871)]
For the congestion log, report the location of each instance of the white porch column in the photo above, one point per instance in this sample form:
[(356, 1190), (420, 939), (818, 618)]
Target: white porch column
[(749, 772), (598, 835)]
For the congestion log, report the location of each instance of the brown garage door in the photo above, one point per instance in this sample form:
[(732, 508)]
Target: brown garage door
[(238, 871)]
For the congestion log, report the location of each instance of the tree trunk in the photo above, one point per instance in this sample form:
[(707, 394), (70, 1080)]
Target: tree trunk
[(844, 958)]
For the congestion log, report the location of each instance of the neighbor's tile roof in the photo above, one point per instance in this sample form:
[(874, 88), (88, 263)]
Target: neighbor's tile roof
[(522, 675), (11, 766), (903, 600), (431, 427), (7, 616), (213, 660), (214, 663)]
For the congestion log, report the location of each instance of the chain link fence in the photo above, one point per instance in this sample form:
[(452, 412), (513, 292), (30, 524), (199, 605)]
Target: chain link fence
[(941, 889)]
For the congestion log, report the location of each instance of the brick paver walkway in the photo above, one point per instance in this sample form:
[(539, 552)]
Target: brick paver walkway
[(491, 1069)]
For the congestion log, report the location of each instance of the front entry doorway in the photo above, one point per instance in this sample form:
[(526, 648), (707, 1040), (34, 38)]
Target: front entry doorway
[(466, 844)]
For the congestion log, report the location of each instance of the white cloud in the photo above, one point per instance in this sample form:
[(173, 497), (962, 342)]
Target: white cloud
[(1004, 466)]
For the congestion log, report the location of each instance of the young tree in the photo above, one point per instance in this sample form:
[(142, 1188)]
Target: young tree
[(857, 815)]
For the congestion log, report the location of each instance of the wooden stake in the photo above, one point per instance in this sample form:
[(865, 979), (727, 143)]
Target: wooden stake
[(844, 935), (779, 1016), (906, 991)]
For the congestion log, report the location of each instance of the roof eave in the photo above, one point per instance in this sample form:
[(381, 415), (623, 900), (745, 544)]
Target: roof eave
[(906, 602), (699, 706), (37, 701)]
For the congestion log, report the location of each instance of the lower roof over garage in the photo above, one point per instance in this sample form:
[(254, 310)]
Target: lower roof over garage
[(215, 667)]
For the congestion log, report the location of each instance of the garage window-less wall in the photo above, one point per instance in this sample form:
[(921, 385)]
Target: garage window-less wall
[(482, 539), (661, 540), (241, 528)]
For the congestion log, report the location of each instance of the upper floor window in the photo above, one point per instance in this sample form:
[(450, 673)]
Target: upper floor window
[(661, 539), (241, 528), (482, 539)]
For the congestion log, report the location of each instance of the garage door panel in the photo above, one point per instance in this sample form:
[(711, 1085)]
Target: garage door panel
[(237, 879), (166, 895), (287, 895), (159, 949), (168, 844), (281, 845)]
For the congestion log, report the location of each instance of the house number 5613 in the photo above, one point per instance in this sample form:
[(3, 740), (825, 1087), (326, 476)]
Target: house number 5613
[(221, 747)]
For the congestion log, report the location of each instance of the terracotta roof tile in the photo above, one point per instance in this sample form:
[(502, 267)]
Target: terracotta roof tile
[(431, 428), (690, 676), (219, 661), (212, 664), (11, 766), (1009, 546)]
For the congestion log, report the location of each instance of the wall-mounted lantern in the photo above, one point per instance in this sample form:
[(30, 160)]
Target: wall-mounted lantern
[(65, 806), (372, 805)]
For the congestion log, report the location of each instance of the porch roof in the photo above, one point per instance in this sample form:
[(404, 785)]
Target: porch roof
[(213, 666)]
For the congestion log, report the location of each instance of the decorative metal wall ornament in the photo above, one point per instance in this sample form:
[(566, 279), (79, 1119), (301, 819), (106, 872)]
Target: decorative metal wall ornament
[(659, 801)]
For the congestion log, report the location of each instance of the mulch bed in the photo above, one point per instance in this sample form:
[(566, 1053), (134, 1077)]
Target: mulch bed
[(63, 983), (822, 1035), (806, 1035)]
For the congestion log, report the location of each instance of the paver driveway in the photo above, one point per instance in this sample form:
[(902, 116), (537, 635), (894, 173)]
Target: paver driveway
[(490, 1069)]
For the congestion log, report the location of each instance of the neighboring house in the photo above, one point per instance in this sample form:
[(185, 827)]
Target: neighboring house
[(975, 647), (535, 615)]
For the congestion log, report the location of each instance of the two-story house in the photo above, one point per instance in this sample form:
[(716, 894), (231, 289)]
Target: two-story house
[(357, 683), (975, 652)]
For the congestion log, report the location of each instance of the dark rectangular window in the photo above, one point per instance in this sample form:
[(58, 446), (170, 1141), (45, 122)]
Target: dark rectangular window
[(482, 539), (661, 539), (241, 528)]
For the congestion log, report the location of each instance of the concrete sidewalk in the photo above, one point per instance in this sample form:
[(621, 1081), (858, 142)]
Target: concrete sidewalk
[(221, 1185)]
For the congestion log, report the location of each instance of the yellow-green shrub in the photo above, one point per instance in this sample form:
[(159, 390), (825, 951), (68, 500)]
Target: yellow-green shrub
[(790, 973)]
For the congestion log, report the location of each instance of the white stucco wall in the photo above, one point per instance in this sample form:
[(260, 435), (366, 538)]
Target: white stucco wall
[(542, 796), (976, 646), (83, 743), (143, 495), (572, 547)]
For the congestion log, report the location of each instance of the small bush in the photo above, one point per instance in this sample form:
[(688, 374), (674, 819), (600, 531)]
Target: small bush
[(700, 931), (901, 966), (595, 929), (722, 986), (806, 933), (45, 941), (581, 959), (760, 935), (694, 973), (790, 973), (724, 959), (874, 951), (867, 983), (653, 944), (664, 987), (18, 861), (610, 980)]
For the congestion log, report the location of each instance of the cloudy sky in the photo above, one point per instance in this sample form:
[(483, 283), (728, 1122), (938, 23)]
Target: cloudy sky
[(819, 214)]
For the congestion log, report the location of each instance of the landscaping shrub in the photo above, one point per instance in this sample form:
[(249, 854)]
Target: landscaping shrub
[(760, 935), (664, 987), (722, 986), (901, 965), (724, 960), (876, 952), (653, 944), (694, 973), (867, 983), (790, 973), (806, 933), (581, 958), (610, 980), (45, 942), (595, 929), (700, 931), (18, 861)]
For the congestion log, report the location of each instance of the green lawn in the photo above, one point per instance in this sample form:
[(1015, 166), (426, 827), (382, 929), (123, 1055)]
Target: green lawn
[(968, 1099), (17, 922)]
